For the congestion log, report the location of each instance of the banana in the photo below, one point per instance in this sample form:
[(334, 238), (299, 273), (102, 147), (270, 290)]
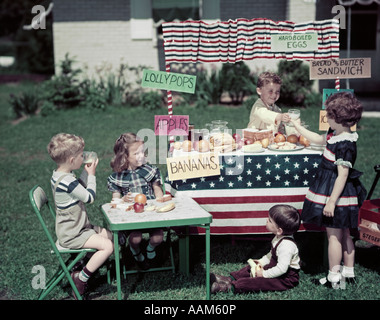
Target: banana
[(166, 208)]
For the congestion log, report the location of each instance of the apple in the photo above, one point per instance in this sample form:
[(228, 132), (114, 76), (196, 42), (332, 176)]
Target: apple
[(248, 141), (140, 198), (279, 138), (304, 141), (265, 142), (187, 145), (292, 138), (138, 207), (196, 145), (237, 137), (240, 144), (203, 146)]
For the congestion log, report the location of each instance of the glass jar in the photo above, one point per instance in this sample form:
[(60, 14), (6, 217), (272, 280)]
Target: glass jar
[(219, 126)]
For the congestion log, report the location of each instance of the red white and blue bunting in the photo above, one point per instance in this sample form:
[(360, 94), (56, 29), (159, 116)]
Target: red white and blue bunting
[(243, 39)]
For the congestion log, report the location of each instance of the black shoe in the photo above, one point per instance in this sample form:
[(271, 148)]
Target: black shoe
[(122, 238), (219, 279), (350, 280), (143, 265)]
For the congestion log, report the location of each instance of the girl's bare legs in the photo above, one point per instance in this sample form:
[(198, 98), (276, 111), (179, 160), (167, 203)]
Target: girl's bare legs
[(335, 253)]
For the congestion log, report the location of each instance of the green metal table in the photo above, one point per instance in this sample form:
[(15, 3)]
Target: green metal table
[(186, 213)]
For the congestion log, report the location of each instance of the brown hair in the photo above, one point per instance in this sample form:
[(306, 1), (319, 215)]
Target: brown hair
[(268, 77), (63, 146), (344, 109), (121, 149), (286, 217)]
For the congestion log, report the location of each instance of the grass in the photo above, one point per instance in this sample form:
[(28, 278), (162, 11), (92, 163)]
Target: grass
[(25, 162)]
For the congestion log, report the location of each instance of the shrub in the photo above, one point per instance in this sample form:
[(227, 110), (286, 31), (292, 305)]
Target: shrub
[(236, 79), (296, 85), (64, 90), (26, 103), (151, 100)]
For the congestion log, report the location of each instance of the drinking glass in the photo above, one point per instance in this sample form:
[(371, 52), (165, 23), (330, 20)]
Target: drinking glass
[(89, 157), (294, 113)]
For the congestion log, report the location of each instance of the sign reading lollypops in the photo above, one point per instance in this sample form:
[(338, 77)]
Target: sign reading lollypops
[(168, 81), (340, 68), (289, 42), (193, 166)]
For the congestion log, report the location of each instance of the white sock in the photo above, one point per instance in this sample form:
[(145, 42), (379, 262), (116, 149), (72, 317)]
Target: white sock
[(137, 254), (333, 276), (348, 272), (150, 252)]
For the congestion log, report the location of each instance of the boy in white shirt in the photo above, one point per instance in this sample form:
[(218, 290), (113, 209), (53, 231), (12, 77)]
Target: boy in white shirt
[(278, 269), (265, 114)]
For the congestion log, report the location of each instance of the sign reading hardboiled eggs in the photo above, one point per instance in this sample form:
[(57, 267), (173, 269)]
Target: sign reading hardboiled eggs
[(291, 42)]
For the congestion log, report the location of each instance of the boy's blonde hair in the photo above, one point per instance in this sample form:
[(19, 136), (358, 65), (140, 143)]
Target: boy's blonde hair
[(268, 77), (63, 146)]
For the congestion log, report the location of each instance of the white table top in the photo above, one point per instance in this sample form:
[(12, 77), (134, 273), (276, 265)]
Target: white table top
[(186, 212)]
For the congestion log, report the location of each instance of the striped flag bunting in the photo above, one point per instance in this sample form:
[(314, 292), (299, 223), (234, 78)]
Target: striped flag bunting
[(242, 39)]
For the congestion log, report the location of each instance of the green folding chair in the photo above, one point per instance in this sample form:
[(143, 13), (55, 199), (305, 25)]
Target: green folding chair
[(38, 200)]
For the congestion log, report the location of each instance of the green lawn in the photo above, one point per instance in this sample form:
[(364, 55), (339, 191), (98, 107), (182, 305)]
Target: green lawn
[(25, 162)]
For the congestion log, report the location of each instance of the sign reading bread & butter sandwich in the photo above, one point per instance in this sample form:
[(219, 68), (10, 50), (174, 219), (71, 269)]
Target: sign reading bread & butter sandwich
[(168, 81), (340, 68), (193, 166)]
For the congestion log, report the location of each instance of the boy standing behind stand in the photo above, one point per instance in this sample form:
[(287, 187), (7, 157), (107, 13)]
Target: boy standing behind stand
[(265, 114)]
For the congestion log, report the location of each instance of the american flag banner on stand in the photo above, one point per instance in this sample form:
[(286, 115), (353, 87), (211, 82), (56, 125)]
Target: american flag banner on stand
[(249, 185), (243, 39)]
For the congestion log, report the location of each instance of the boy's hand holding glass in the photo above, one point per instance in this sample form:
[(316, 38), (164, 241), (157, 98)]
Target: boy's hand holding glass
[(90, 159)]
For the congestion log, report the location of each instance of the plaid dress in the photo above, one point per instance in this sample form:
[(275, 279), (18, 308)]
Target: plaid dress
[(140, 180)]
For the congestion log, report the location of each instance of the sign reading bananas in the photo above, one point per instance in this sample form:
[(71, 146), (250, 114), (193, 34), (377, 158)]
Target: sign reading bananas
[(193, 166)]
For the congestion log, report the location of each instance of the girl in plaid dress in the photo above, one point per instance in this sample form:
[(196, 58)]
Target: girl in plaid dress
[(133, 174)]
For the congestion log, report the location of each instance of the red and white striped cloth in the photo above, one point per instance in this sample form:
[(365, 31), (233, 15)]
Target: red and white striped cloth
[(242, 39), (242, 211)]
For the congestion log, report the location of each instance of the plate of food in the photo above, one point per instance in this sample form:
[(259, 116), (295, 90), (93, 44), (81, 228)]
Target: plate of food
[(285, 146), (253, 148)]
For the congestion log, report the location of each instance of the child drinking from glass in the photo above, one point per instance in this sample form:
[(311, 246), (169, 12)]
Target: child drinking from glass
[(265, 114), (334, 198), (73, 228), (133, 175), (276, 271)]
